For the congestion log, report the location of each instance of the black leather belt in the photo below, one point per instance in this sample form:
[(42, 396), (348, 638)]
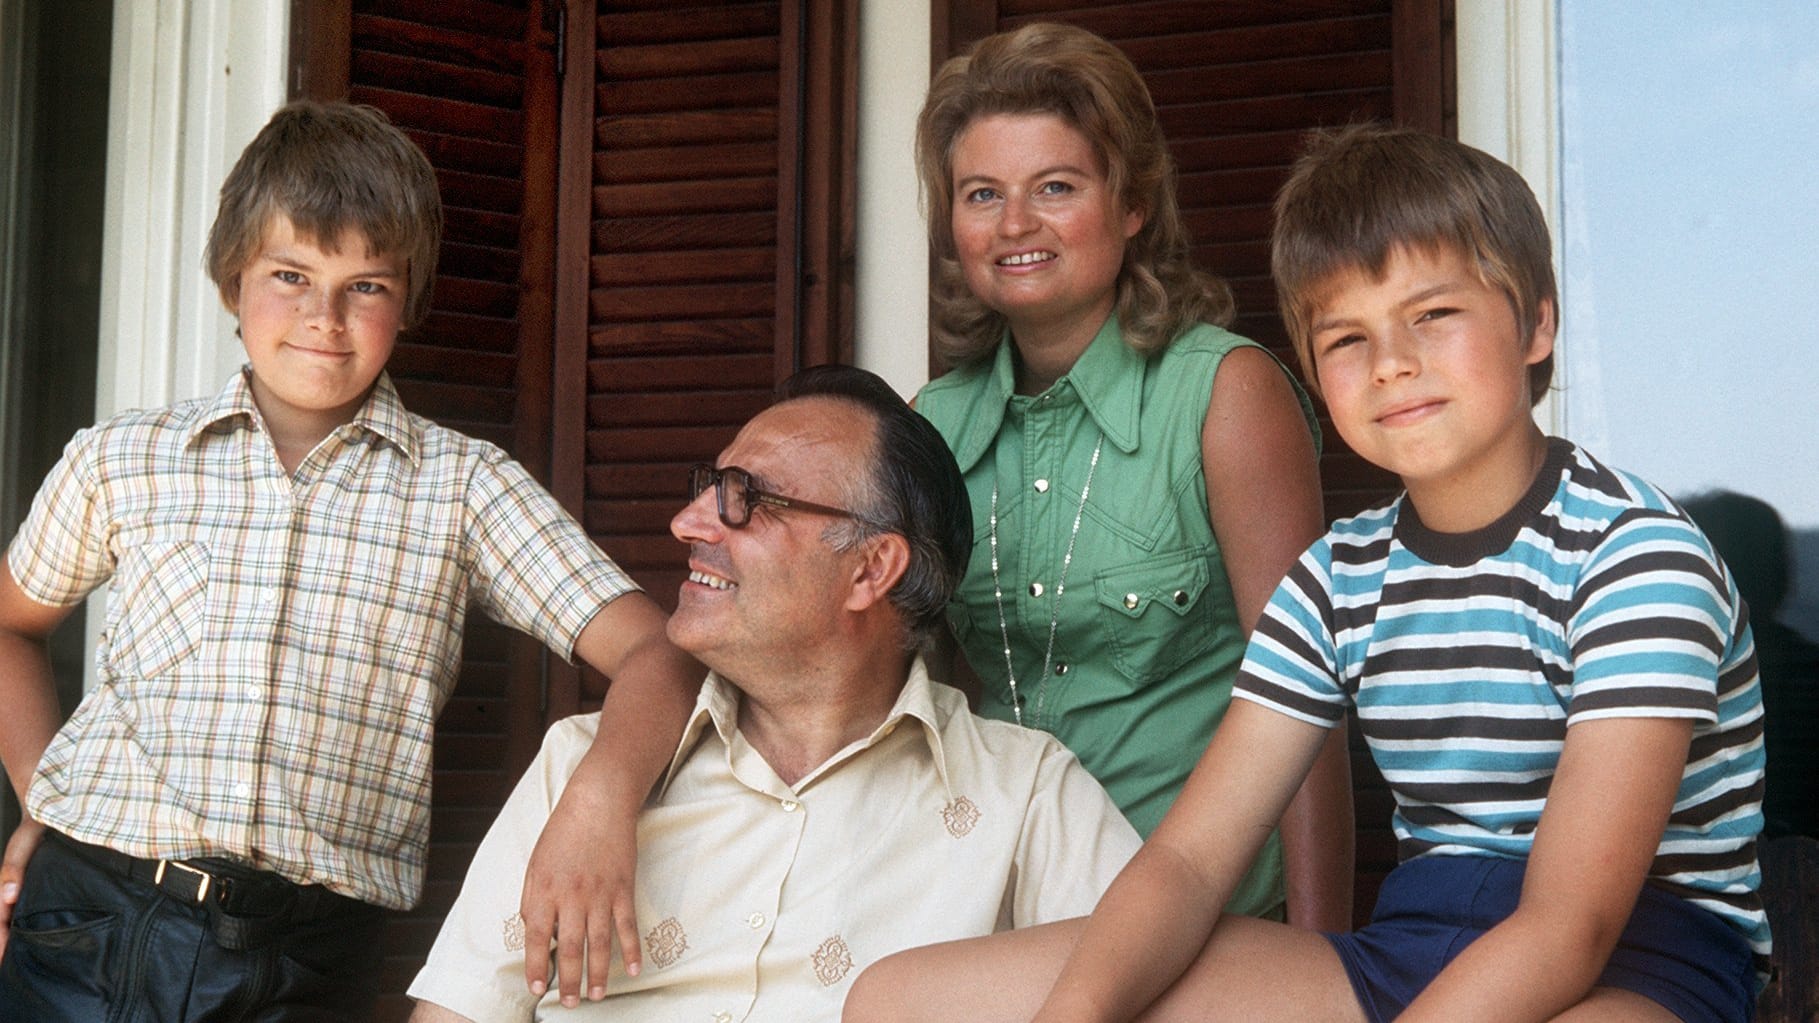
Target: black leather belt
[(233, 888)]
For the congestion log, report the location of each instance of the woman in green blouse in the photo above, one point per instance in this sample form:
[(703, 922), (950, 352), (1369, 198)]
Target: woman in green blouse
[(1141, 478)]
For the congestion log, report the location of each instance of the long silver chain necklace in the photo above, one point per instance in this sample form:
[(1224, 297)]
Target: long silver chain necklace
[(1054, 617)]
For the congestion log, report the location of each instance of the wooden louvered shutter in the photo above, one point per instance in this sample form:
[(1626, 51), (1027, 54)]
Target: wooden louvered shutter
[(716, 254), (1236, 84)]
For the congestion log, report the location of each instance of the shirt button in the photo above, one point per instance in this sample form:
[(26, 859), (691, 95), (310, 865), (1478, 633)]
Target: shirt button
[(267, 595), (1061, 669), (243, 791), (790, 805), (723, 1017), (755, 921), (1035, 589), (252, 692), (1180, 598), (1130, 601), (1041, 486)]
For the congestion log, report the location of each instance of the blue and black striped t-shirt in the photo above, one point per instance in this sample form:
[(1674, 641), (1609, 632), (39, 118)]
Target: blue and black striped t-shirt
[(1469, 655)]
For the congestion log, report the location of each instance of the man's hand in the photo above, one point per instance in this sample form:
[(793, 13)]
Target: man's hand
[(19, 851), (578, 888)]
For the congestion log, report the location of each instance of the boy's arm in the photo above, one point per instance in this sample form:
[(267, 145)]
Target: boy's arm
[(578, 886), (430, 1012), (29, 694), (1263, 498), (1158, 915), (1607, 808)]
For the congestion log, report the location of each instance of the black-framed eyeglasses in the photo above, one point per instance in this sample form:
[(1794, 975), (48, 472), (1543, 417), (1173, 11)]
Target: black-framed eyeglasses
[(735, 493)]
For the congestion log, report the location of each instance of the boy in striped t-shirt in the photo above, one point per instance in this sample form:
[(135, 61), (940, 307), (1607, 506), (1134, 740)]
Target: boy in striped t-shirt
[(1551, 666)]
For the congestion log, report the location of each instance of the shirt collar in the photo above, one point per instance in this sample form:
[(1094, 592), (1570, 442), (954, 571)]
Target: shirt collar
[(382, 414), (1108, 377), (717, 707)]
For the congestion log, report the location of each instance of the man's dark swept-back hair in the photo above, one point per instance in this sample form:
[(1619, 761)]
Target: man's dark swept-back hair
[(916, 490)]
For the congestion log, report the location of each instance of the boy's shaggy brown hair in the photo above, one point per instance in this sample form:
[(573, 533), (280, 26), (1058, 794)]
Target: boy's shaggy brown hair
[(1358, 194), (341, 173)]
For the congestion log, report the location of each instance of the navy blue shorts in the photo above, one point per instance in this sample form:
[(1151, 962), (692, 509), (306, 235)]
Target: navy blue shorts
[(1681, 956)]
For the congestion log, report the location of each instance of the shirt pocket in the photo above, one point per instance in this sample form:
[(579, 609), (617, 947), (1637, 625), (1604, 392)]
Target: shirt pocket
[(1151, 612), (161, 593)]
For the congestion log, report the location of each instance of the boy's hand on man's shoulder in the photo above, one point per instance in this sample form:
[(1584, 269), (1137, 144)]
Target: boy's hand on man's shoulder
[(19, 849), (578, 891)]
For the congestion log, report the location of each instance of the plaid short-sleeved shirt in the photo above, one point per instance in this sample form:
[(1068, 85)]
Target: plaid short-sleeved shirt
[(277, 647)]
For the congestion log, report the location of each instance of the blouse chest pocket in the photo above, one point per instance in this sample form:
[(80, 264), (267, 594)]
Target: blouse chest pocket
[(159, 605), (1152, 614)]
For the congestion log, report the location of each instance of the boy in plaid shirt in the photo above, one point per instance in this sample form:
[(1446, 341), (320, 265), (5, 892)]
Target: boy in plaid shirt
[(248, 784)]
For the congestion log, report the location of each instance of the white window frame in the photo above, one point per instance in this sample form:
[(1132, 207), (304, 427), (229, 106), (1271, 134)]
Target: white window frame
[(192, 82), (1506, 54)]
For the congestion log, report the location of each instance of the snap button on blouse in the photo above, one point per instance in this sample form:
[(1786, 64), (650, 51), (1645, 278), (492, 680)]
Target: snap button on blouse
[(1130, 601), (1035, 589), (1180, 598), (1041, 486), (1061, 669)]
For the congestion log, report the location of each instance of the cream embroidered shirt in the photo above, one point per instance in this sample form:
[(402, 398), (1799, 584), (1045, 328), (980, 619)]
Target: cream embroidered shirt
[(762, 901)]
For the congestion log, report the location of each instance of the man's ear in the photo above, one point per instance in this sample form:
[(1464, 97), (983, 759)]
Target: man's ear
[(884, 558)]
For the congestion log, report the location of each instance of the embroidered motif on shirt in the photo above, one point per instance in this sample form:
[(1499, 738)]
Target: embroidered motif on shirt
[(666, 943), (833, 960), (960, 816), (514, 933)]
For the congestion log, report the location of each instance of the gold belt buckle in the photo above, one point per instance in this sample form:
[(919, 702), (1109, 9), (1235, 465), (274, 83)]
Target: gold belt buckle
[(204, 878)]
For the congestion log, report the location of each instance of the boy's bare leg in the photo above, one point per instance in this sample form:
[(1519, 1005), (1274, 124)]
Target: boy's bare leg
[(1250, 970), (1616, 1005), (1260, 970), (1003, 977)]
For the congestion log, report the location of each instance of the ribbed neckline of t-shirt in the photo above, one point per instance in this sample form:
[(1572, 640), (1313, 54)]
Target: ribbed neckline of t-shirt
[(1461, 549)]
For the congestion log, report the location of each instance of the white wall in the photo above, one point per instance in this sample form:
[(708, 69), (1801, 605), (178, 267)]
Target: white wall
[(193, 81), (892, 275), (1688, 131)]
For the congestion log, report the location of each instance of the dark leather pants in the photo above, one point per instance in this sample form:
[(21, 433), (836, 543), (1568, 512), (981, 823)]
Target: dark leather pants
[(91, 946)]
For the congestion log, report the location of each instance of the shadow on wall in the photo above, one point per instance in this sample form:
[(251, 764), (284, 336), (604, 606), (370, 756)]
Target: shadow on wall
[(1762, 555), (1800, 611)]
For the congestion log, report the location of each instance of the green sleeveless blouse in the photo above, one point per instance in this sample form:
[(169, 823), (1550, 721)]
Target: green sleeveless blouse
[(1147, 639)]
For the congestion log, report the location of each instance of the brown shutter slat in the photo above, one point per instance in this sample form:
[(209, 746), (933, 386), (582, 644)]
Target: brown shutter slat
[(682, 267)]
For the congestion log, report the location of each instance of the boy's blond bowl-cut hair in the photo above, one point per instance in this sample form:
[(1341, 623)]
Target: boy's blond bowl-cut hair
[(1360, 193), (340, 172)]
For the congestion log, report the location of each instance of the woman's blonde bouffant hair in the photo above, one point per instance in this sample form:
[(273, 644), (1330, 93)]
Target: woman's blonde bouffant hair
[(1047, 68)]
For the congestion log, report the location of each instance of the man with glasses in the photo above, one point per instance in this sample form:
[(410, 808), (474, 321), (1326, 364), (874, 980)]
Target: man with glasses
[(828, 804)]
